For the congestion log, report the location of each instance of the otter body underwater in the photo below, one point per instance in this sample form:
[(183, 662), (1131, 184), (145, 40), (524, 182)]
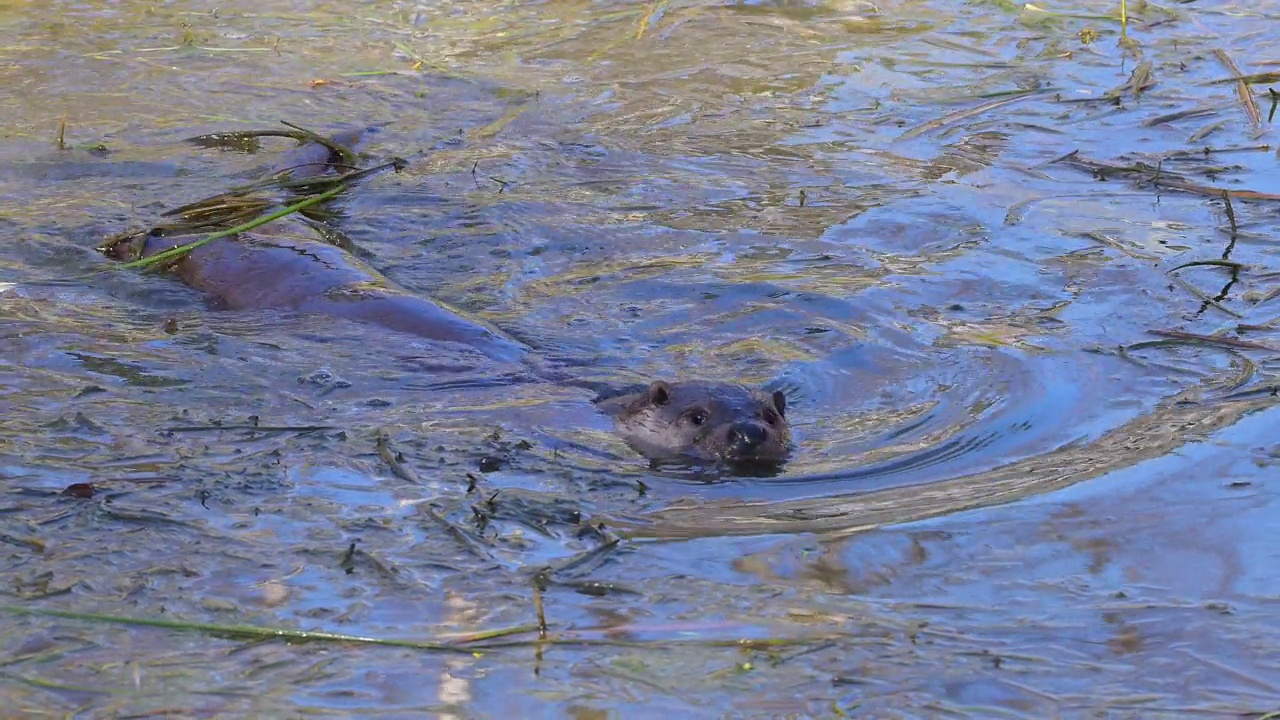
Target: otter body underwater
[(286, 265)]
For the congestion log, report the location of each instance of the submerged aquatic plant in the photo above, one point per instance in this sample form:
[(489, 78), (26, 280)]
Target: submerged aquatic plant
[(176, 253), (246, 207)]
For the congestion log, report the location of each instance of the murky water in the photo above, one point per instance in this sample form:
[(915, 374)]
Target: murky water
[(1009, 497)]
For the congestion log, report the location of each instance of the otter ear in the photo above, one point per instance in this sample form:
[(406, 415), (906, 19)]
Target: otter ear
[(780, 402), (659, 393)]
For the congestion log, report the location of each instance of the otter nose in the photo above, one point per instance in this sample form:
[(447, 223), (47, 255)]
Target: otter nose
[(746, 435)]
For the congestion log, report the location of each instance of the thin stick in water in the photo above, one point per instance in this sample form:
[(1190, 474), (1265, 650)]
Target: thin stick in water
[(181, 250), (1242, 88)]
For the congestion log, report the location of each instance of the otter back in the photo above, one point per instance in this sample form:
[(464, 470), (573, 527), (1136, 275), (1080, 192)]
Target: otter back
[(286, 266)]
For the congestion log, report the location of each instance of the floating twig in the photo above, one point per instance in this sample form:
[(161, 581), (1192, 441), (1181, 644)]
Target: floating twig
[(587, 560), (655, 10), (1180, 115), (282, 180), (570, 639), (214, 214), (464, 538), (239, 138), (1242, 88), (1231, 212), (1206, 151), (1220, 263), (346, 154), (1205, 131), (968, 113), (394, 460), (240, 631), (1158, 177), (1140, 79), (177, 253), (481, 635), (1018, 211), (262, 428), (539, 581), (1253, 79), (1214, 340), (1125, 352), (1204, 298)]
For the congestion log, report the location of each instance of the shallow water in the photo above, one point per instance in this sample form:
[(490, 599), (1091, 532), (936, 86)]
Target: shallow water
[(1008, 497)]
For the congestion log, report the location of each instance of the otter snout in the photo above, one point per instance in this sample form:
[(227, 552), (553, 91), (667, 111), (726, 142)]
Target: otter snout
[(745, 437), (752, 441)]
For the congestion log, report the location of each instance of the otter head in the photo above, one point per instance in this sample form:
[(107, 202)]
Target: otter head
[(706, 422)]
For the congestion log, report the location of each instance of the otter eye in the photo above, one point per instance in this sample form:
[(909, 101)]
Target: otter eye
[(698, 417), (771, 417)]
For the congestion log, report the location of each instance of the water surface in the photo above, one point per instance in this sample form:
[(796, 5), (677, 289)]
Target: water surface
[(1008, 496)]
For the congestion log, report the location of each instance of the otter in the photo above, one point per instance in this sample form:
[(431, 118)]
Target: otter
[(702, 421), (286, 265)]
